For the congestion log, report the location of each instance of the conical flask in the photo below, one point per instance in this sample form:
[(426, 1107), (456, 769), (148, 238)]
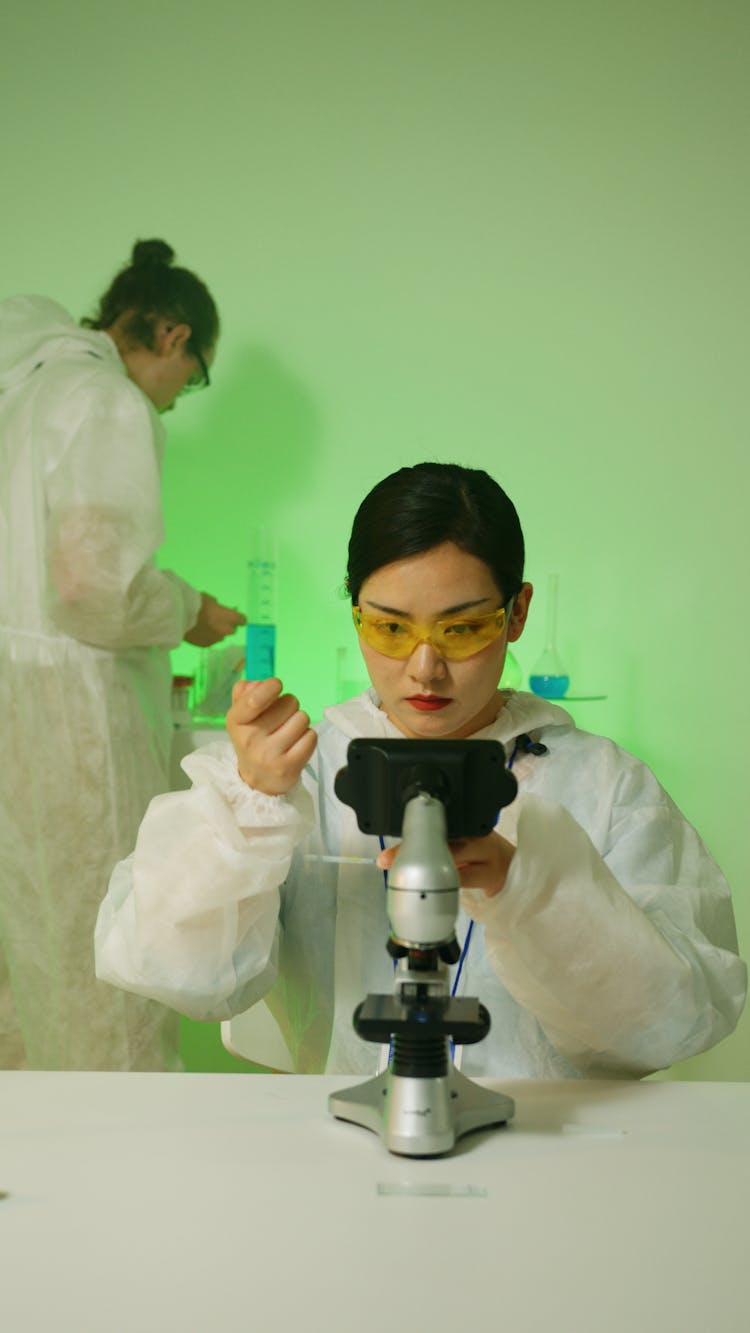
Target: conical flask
[(512, 677), (549, 677)]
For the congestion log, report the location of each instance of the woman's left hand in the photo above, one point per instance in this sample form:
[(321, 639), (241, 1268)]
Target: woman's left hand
[(483, 863)]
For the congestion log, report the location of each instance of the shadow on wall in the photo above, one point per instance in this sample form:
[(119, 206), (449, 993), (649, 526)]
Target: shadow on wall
[(238, 456), (255, 444), (270, 414)]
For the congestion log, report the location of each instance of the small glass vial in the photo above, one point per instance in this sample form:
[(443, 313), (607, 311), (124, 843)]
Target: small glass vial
[(182, 687)]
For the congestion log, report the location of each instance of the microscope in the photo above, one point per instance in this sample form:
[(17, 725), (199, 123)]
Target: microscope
[(425, 792)]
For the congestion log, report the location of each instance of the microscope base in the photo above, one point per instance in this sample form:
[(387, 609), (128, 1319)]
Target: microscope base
[(421, 1117)]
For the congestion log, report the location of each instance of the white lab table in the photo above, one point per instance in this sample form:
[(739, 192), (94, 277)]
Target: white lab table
[(147, 1203)]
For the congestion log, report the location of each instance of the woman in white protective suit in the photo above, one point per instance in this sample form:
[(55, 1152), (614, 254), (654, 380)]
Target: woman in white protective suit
[(86, 620), (603, 940)]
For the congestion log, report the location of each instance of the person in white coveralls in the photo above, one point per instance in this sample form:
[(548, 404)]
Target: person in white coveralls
[(595, 926), (86, 621)]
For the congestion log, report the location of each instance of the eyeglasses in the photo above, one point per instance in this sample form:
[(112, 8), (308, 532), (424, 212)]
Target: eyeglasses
[(456, 637), (197, 381)]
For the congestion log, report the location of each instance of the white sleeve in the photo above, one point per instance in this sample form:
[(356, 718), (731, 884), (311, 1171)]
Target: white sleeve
[(628, 960), (190, 917), (104, 524)]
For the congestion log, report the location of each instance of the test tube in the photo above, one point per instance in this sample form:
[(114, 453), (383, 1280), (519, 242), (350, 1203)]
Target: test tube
[(260, 633)]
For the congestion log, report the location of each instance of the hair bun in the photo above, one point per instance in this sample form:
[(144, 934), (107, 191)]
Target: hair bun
[(151, 252)]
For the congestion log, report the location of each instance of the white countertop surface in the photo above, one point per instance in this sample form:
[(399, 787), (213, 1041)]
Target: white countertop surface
[(146, 1203)]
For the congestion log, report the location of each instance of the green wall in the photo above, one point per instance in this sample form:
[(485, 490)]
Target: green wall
[(510, 235)]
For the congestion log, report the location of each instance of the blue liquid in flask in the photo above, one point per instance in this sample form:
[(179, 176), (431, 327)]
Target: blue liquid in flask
[(549, 679), (550, 687)]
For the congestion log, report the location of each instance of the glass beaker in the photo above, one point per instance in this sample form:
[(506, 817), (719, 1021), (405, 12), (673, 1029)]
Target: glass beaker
[(549, 677)]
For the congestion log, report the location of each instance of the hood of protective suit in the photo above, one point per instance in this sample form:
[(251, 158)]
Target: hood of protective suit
[(35, 330), (524, 713)]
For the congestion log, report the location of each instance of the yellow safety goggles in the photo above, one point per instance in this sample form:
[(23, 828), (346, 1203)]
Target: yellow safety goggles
[(455, 638)]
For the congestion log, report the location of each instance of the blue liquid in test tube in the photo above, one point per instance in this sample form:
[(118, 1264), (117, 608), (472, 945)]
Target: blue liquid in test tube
[(260, 651), (260, 633)]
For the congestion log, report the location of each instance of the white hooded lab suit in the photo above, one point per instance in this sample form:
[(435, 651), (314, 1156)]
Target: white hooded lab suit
[(85, 623), (610, 952)]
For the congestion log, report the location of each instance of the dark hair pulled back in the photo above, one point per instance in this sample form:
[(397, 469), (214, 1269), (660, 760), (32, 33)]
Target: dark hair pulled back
[(151, 288), (420, 507)]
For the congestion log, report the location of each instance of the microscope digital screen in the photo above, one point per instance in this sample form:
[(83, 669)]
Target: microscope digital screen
[(469, 777)]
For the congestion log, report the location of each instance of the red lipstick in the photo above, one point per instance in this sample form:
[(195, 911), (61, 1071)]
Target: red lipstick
[(427, 703)]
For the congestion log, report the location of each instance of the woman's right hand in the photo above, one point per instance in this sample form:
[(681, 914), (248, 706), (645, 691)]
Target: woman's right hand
[(271, 735)]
